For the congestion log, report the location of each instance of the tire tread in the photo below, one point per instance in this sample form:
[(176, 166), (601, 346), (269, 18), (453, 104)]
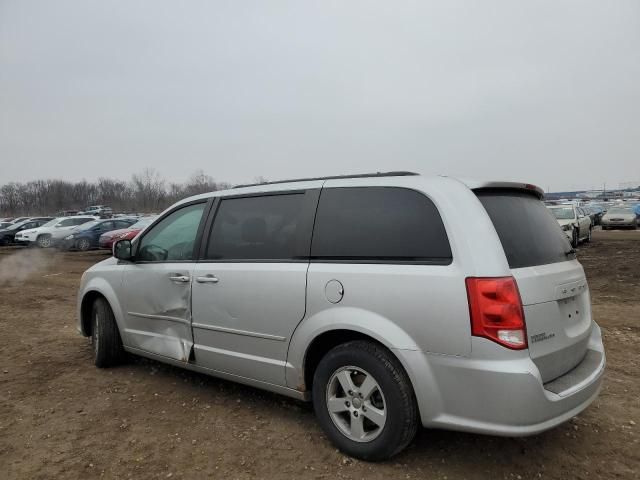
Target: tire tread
[(408, 404), (110, 350)]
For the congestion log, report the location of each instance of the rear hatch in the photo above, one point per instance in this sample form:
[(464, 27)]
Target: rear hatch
[(552, 283)]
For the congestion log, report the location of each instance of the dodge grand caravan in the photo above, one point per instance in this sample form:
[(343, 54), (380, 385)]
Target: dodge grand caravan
[(388, 300)]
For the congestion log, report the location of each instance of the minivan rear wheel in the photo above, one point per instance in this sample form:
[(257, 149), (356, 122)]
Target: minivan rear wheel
[(105, 337), (364, 400)]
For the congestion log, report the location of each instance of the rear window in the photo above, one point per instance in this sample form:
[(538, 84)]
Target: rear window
[(379, 224), (529, 232)]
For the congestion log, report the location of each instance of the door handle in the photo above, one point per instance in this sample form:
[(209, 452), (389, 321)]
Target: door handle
[(179, 278), (207, 279)]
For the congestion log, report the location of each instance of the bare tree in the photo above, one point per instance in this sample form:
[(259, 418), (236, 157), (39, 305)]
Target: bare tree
[(146, 192)]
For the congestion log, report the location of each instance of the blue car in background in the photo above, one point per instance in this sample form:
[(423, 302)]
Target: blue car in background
[(86, 236)]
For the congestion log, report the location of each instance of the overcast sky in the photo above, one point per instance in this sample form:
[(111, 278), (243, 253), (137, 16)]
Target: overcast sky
[(541, 91)]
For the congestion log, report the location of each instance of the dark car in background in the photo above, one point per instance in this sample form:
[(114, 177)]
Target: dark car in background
[(86, 236), (597, 211), (8, 235)]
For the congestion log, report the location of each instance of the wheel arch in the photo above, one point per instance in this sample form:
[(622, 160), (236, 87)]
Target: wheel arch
[(316, 335), (319, 333), (86, 307), (98, 288), (323, 343)]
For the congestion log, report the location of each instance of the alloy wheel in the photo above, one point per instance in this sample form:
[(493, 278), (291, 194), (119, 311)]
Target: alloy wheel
[(356, 404), (44, 242)]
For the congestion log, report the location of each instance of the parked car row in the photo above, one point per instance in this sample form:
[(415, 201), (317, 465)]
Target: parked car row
[(78, 232), (52, 232), (8, 234), (577, 220)]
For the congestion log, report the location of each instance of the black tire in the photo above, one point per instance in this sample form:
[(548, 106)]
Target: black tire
[(105, 337), (575, 238), (588, 239), (44, 241), (83, 244), (400, 404)]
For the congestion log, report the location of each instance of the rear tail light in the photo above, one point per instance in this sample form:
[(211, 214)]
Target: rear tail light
[(496, 311)]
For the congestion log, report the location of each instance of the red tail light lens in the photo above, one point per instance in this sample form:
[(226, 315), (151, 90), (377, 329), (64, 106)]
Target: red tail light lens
[(496, 311)]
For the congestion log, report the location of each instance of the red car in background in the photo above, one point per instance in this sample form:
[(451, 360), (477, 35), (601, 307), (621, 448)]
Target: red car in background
[(108, 239)]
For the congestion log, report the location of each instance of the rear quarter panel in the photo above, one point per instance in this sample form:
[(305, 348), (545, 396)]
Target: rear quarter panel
[(409, 307)]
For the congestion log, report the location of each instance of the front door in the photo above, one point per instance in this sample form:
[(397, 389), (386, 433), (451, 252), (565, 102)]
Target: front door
[(157, 285), (249, 291)]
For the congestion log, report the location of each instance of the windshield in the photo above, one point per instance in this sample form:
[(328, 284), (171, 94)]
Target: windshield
[(621, 211), (15, 226), (563, 213), (529, 234)]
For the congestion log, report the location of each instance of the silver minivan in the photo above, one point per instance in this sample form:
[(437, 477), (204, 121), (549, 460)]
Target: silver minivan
[(389, 300)]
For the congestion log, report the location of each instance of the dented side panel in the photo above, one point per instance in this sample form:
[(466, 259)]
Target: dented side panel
[(158, 308)]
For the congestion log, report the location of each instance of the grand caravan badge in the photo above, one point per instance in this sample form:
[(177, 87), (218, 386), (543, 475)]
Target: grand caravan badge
[(540, 337)]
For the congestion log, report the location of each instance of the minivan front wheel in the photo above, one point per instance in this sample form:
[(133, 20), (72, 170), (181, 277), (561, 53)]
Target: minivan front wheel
[(364, 400), (575, 238), (105, 337)]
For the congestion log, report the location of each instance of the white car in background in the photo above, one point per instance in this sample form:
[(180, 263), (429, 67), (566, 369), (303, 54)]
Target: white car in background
[(575, 222), (620, 217), (51, 232)]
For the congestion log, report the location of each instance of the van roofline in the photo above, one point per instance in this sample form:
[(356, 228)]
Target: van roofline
[(334, 177)]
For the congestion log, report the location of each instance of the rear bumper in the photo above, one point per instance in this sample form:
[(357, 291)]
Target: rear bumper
[(500, 392), (621, 224)]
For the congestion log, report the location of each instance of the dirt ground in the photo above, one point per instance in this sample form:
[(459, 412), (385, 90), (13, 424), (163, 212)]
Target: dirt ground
[(60, 417)]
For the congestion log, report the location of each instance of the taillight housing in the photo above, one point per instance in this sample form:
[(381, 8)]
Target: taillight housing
[(496, 311)]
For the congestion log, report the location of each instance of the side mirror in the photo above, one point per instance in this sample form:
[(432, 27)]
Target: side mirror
[(122, 250)]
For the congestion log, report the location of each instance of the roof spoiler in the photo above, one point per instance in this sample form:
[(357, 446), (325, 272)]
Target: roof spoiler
[(529, 187)]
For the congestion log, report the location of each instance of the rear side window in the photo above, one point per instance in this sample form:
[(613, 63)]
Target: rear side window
[(257, 228), (379, 224), (529, 232)]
